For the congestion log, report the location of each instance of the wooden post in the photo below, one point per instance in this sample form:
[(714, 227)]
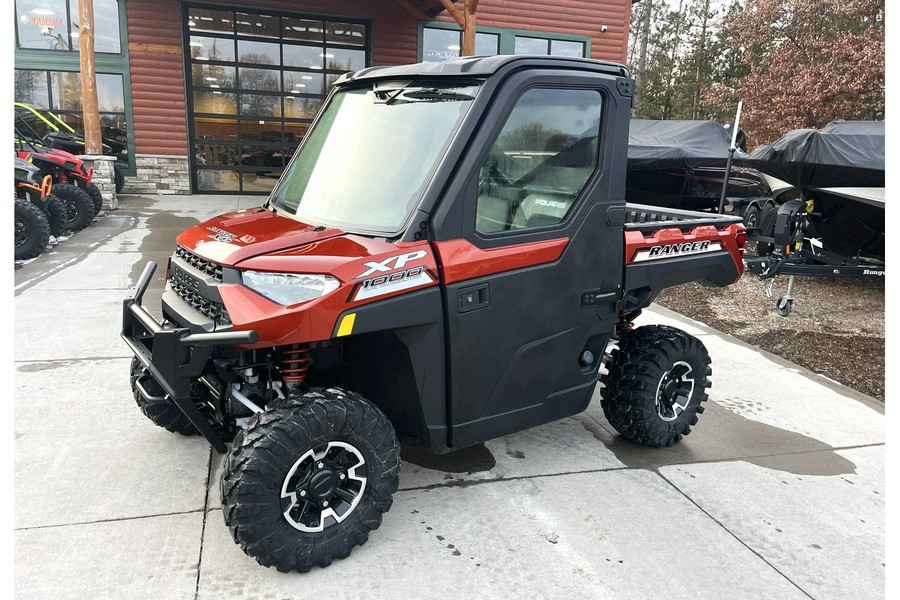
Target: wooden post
[(89, 105), (453, 12), (468, 45)]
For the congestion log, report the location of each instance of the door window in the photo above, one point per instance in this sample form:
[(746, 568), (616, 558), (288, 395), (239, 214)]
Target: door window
[(541, 161)]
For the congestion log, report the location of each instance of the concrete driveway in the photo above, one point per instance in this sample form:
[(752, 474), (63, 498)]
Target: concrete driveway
[(779, 492)]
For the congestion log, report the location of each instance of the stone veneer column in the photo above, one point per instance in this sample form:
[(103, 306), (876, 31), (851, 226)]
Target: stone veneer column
[(104, 178), (159, 174)]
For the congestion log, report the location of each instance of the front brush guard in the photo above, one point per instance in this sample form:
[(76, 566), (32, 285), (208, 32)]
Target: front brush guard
[(173, 355)]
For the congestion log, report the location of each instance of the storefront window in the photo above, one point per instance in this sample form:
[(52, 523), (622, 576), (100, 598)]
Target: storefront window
[(60, 91), (66, 87), (212, 76), (257, 25), (43, 24), (205, 19), (565, 48), (529, 45), (31, 87), (210, 48), (440, 43), (106, 25), (53, 25), (257, 81), (348, 34), (302, 29)]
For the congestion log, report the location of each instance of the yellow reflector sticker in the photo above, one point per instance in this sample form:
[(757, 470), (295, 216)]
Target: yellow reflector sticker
[(346, 327)]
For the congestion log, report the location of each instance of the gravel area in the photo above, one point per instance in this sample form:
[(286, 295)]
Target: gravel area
[(836, 327)]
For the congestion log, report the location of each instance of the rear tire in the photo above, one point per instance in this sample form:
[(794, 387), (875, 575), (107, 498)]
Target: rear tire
[(78, 204), (32, 230), (309, 478), (163, 413), (119, 179), (655, 385), (96, 197), (56, 214)]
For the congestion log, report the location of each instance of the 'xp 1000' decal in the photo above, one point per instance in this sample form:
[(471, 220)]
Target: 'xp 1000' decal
[(669, 250), (390, 276)]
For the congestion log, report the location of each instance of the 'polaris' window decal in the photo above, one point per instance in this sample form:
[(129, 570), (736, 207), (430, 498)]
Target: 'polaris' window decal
[(393, 282), (669, 250)]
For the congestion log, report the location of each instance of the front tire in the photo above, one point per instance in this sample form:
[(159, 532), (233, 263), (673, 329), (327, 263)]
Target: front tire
[(309, 478), (32, 230), (655, 385)]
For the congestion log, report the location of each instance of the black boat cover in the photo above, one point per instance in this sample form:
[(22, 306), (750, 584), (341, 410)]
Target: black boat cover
[(842, 154), (655, 145)]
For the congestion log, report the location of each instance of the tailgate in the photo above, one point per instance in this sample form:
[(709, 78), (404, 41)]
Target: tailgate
[(661, 255)]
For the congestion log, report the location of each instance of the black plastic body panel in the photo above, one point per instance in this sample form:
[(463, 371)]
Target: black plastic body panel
[(395, 358)]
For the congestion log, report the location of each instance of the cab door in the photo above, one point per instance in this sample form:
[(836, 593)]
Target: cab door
[(530, 283)]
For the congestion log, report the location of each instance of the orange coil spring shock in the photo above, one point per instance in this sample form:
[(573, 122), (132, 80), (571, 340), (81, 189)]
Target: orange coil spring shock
[(295, 361)]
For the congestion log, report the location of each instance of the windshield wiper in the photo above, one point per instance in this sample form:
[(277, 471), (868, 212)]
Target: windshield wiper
[(436, 94)]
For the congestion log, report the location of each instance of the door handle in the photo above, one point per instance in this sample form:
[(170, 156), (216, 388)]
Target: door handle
[(474, 297)]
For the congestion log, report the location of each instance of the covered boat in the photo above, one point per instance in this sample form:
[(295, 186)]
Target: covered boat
[(840, 169), (832, 222), (681, 164)]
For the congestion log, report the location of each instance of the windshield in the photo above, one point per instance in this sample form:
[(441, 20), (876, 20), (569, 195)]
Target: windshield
[(365, 164)]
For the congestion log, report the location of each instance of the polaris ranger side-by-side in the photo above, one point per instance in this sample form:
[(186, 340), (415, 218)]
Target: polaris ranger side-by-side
[(445, 260)]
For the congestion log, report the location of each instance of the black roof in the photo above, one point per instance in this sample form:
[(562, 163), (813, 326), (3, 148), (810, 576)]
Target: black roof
[(481, 66)]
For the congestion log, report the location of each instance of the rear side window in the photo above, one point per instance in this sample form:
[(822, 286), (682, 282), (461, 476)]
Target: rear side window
[(541, 161)]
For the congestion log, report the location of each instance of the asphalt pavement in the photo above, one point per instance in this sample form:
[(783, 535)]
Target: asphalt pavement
[(779, 492)]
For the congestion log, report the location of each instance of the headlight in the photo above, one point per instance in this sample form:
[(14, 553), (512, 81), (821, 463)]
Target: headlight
[(287, 288)]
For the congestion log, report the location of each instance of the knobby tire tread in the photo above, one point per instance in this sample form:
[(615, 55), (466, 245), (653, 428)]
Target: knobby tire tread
[(56, 214), (38, 226), (79, 206), (261, 455), (96, 197), (635, 368)]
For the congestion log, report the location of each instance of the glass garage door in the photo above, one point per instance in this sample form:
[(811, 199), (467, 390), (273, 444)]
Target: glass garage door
[(255, 82)]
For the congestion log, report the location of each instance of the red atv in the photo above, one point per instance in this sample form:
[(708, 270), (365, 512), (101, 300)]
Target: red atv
[(71, 180)]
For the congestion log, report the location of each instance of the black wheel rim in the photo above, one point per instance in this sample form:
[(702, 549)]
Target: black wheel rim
[(22, 232), (71, 211), (675, 390), (324, 486), (752, 219)]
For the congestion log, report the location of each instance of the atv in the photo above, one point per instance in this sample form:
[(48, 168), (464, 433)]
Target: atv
[(71, 180), (39, 191), (32, 225), (60, 135)]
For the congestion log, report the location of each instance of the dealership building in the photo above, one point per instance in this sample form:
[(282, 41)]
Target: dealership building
[(215, 97)]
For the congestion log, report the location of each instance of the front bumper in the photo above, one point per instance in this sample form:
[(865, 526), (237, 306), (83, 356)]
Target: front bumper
[(174, 355)]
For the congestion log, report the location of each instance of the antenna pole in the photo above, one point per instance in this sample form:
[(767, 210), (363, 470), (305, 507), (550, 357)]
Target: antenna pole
[(731, 149)]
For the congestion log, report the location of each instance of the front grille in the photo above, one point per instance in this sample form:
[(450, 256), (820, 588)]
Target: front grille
[(201, 264), (210, 308)]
